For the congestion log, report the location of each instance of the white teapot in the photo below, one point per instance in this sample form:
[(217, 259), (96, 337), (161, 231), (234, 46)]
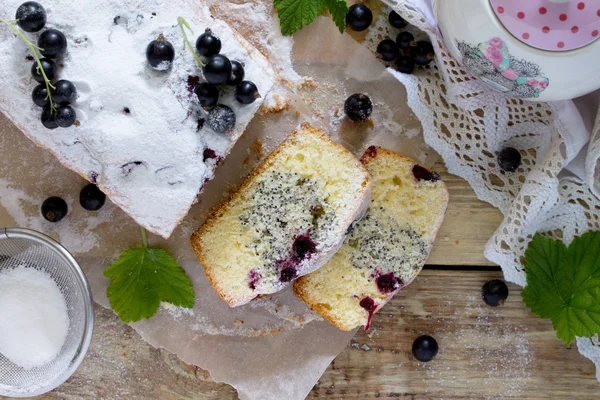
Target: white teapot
[(533, 49)]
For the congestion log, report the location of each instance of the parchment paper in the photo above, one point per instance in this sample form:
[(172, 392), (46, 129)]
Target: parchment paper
[(274, 347)]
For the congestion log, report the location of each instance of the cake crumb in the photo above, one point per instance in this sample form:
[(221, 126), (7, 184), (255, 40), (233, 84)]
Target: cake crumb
[(257, 148)]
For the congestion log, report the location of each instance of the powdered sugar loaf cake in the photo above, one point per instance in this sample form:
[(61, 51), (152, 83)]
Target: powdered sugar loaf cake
[(286, 220), (386, 249), (142, 135)]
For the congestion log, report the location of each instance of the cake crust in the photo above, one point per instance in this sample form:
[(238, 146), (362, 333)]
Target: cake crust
[(197, 238), (308, 287)]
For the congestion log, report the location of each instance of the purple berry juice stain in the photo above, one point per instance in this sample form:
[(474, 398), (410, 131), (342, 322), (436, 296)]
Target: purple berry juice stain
[(369, 305)]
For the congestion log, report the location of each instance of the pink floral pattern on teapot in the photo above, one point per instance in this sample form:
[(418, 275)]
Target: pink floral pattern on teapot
[(492, 62)]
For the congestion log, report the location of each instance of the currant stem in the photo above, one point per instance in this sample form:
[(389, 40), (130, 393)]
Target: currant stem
[(182, 23), (34, 49), (144, 237)]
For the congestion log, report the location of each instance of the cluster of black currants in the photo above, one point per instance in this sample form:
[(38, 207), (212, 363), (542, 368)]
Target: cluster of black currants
[(405, 51), (218, 70), (55, 208), (55, 99)]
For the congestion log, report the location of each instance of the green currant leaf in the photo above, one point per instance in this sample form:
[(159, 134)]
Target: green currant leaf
[(143, 278), (563, 284), (296, 14)]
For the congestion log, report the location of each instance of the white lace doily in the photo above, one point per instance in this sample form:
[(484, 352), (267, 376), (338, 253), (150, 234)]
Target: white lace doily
[(468, 124)]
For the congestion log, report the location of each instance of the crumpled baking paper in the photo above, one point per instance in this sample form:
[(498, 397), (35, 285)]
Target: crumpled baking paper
[(274, 347)]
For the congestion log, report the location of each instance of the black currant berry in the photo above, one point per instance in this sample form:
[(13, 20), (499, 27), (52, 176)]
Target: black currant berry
[(217, 69), (424, 348), (208, 94), (49, 118), (237, 73), (221, 119), (388, 50), (397, 21), (160, 54), (54, 209), (494, 293), (65, 92), (359, 17), (49, 68), (53, 43), (405, 40), (358, 107), (246, 92), (208, 44), (509, 159), (405, 64), (65, 116), (422, 53), (31, 16), (40, 95), (91, 197)]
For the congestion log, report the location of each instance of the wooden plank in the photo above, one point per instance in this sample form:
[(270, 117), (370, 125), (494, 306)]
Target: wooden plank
[(500, 353), (485, 352), (468, 225)]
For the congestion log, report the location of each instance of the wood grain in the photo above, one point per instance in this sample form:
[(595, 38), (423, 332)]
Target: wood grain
[(468, 225), (491, 353), (498, 353)]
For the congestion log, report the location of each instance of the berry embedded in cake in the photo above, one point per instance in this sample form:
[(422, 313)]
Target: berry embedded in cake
[(385, 250), (127, 112), (286, 220), (289, 231)]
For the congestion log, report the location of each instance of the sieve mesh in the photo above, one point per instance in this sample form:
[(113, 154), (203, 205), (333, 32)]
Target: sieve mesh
[(19, 247)]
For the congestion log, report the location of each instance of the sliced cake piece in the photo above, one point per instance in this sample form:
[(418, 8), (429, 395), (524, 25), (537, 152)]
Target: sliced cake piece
[(286, 220), (386, 249)]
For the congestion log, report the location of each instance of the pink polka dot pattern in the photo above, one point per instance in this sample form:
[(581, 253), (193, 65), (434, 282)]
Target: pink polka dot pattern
[(550, 25)]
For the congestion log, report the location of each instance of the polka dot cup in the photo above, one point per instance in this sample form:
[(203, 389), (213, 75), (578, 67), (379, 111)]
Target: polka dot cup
[(533, 49)]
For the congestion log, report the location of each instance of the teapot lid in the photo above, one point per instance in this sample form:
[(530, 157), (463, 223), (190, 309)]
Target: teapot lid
[(555, 25)]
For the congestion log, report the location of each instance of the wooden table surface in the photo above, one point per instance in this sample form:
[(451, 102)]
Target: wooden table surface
[(485, 353)]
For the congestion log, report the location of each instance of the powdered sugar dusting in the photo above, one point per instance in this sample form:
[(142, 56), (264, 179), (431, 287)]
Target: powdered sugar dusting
[(130, 114), (498, 352), (15, 201), (257, 20)]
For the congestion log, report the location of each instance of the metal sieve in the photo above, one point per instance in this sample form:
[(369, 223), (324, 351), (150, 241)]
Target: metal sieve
[(24, 247)]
